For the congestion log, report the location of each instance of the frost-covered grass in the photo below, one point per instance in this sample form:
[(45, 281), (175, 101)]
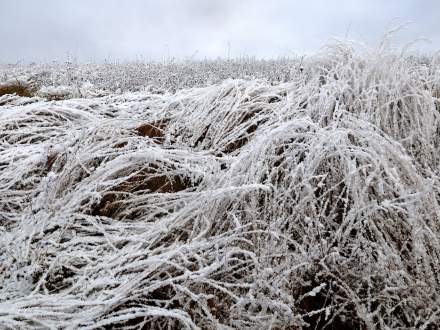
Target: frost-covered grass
[(244, 204), (85, 80)]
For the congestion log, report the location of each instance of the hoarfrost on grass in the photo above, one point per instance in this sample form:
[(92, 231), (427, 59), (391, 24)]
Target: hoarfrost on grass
[(244, 204)]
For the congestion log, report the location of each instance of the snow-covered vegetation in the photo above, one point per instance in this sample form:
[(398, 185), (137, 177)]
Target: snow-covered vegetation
[(108, 78), (303, 193)]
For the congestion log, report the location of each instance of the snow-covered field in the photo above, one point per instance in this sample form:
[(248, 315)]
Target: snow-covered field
[(307, 193)]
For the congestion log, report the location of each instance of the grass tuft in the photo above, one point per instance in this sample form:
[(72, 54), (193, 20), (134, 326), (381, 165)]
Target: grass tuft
[(18, 88)]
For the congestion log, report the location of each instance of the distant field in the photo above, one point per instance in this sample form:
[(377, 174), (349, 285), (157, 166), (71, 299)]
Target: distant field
[(242, 194), (135, 76)]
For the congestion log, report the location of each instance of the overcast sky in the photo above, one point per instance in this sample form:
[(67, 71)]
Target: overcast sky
[(95, 30)]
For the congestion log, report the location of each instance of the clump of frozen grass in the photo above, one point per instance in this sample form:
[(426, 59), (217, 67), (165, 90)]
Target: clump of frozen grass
[(314, 202)]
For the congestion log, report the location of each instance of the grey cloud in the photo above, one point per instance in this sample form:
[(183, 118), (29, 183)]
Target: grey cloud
[(97, 30)]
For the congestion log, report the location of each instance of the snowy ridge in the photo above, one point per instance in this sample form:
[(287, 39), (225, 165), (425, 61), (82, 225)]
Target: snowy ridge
[(238, 205)]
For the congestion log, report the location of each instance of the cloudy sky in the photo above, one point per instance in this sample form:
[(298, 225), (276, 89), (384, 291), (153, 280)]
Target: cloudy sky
[(96, 30)]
